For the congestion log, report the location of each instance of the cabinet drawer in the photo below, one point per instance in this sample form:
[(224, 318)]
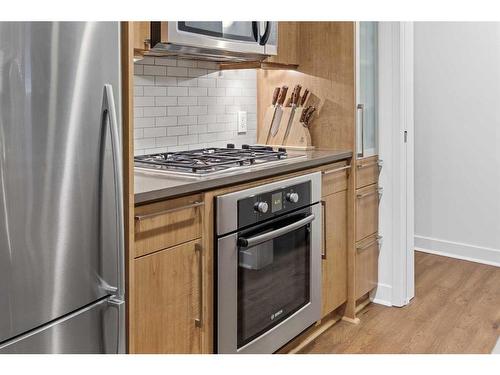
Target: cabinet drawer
[(367, 171), (367, 252), (367, 200), (168, 223), (334, 178)]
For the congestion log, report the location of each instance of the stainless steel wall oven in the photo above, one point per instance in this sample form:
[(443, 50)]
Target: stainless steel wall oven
[(268, 264)]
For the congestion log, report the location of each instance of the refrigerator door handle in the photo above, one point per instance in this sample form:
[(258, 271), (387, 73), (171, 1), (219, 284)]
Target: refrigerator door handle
[(119, 305), (109, 118)]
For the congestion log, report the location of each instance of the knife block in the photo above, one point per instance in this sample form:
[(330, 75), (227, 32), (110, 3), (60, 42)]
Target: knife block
[(299, 136), (265, 129)]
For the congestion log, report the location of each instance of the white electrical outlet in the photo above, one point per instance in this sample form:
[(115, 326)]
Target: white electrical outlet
[(242, 121)]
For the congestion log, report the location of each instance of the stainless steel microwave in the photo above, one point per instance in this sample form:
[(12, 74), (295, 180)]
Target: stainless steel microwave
[(215, 40)]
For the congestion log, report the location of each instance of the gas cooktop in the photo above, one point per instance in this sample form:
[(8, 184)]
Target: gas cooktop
[(208, 161)]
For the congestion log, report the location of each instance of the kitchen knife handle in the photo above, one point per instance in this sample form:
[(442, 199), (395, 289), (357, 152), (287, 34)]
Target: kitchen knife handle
[(276, 94), (296, 94), (304, 97), (282, 96), (303, 114)]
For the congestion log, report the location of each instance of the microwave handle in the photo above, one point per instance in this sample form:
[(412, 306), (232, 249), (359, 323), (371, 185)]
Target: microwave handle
[(253, 241), (255, 30), (264, 37)]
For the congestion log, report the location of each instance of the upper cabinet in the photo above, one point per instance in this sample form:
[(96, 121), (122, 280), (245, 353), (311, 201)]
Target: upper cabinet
[(235, 45), (367, 89)]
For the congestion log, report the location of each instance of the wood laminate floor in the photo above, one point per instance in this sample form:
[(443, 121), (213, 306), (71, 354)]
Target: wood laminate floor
[(456, 309)]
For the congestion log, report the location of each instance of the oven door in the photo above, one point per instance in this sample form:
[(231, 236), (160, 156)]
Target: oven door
[(234, 36), (269, 280)]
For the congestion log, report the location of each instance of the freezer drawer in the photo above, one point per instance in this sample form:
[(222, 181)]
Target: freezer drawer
[(98, 328)]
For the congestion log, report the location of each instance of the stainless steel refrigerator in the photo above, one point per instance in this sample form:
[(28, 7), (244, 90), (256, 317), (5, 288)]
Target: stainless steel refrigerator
[(61, 221)]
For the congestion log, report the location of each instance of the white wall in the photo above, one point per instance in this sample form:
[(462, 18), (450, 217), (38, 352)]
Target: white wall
[(457, 139), (184, 104)]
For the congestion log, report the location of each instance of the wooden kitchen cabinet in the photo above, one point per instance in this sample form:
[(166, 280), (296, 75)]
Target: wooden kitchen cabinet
[(168, 300), (141, 32), (288, 44), (367, 252), (334, 262), (367, 200), (368, 170), (167, 223)]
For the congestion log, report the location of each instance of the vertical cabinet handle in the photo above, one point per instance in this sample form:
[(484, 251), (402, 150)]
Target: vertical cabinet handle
[(197, 249), (361, 108), (323, 237)]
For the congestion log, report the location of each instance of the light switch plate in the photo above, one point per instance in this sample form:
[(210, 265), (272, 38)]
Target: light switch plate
[(242, 121)]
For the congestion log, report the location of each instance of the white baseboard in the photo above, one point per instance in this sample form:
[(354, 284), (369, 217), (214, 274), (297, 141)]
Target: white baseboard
[(458, 250), (382, 295)]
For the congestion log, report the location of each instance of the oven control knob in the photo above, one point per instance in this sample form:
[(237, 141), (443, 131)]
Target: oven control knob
[(292, 197), (261, 207)]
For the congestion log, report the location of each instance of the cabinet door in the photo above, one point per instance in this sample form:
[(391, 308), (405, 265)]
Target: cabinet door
[(367, 88), (334, 264), (367, 200), (167, 300), (367, 252), (141, 36), (288, 44)]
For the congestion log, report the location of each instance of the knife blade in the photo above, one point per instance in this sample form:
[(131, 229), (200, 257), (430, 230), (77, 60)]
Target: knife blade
[(278, 111), (276, 94), (295, 101)]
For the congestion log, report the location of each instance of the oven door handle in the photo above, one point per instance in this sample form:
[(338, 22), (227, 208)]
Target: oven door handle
[(253, 241)]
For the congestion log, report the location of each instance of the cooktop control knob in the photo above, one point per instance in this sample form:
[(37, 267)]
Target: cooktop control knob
[(261, 207), (292, 197)]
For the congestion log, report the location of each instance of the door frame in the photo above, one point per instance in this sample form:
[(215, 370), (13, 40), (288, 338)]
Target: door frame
[(396, 215)]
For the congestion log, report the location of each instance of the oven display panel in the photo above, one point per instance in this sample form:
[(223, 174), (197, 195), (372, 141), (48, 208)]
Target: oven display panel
[(277, 202)]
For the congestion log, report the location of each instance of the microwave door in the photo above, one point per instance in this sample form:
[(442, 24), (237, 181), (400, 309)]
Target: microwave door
[(231, 36)]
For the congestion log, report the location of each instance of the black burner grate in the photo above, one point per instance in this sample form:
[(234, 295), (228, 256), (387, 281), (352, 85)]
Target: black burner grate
[(207, 160)]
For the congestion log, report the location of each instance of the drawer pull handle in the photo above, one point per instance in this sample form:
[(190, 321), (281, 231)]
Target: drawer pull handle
[(378, 190), (323, 237), (198, 321), (149, 216), (377, 162), (336, 170), (378, 240)]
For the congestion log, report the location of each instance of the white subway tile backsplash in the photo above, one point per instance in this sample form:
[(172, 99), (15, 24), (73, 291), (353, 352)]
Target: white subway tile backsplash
[(186, 104), (165, 81), (216, 91), (166, 141), (187, 100), (187, 82), (144, 101), (198, 110), (187, 120), (177, 111), (155, 111), (188, 139), (165, 101), (177, 72), (166, 121), (186, 63), (197, 91), (155, 70), (154, 132), (140, 80), (177, 91), (154, 91), (177, 130), (168, 61), (206, 119)]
